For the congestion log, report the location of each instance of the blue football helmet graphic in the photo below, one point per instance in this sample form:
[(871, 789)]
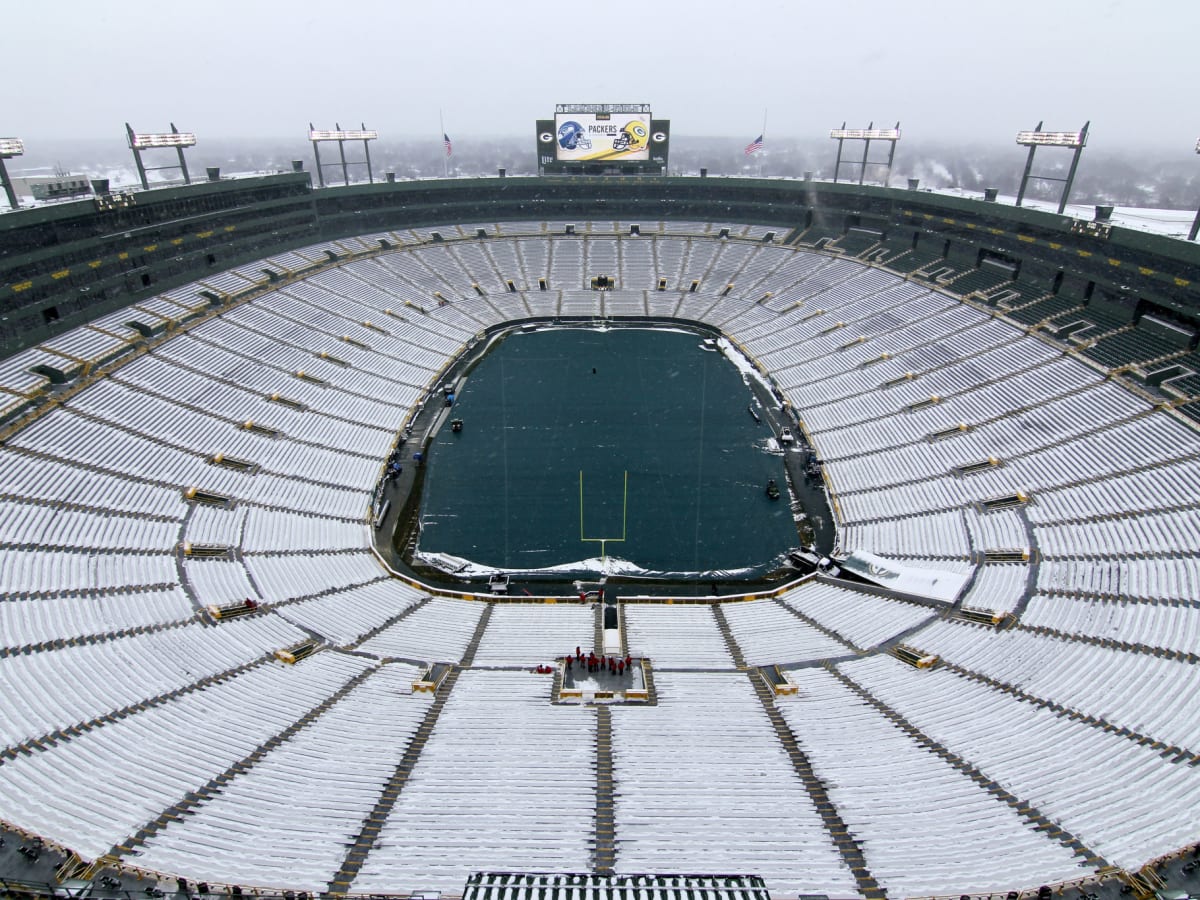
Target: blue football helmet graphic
[(632, 137), (571, 136)]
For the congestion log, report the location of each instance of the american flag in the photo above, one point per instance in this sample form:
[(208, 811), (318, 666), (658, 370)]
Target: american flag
[(446, 143), (755, 145)]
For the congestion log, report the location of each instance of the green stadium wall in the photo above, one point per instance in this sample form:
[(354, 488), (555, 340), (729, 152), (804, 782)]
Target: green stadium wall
[(65, 264)]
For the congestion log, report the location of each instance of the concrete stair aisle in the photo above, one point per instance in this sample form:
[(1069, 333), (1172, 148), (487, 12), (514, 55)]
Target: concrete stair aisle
[(753, 290), (336, 589), (1167, 751), (885, 255), (442, 284), (739, 278), (730, 641), (214, 786), (1127, 646), (65, 733), (556, 681), (1073, 593), (388, 623), (792, 238), (845, 842), (1010, 411), (468, 656), (1033, 571), (501, 276), (79, 640), (197, 408), (479, 298), (657, 269), (648, 675), (375, 819), (605, 852), (529, 278), (178, 447), (871, 252), (1060, 442), (621, 274), (587, 262), (1026, 810), (90, 467), (829, 633), (598, 629), (217, 378)]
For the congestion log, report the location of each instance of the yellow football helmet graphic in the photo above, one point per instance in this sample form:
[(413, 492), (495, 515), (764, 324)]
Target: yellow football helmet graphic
[(633, 136)]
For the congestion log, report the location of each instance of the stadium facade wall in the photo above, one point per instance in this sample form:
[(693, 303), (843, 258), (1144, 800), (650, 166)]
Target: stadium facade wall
[(66, 264)]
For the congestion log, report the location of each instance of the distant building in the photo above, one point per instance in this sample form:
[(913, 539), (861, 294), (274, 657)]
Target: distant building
[(59, 186)]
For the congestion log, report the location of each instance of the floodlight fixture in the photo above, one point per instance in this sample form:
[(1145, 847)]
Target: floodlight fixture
[(360, 135), (9, 147), (603, 108), (1052, 138), (866, 135), (176, 140), (1071, 140), (339, 136), (155, 141)]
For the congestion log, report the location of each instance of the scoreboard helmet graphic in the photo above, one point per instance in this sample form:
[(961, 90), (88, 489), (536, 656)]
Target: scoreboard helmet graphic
[(632, 137), (571, 136)]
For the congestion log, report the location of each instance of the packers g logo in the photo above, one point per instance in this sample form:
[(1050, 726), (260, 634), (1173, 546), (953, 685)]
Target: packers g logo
[(879, 571), (632, 137)]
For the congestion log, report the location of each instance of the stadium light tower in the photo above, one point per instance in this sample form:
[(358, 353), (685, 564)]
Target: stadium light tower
[(172, 139), (866, 135), (340, 136), (1196, 221), (9, 147), (1072, 140)]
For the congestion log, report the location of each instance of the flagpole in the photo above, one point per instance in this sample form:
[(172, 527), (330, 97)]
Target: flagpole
[(764, 137), (445, 159)]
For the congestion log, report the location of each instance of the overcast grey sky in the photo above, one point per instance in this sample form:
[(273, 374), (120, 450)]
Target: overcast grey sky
[(969, 70)]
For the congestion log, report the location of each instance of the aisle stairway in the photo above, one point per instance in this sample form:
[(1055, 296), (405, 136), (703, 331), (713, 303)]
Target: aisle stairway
[(730, 641), (375, 819), (214, 786), (1026, 810), (47, 741), (1167, 751), (606, 844), (845, 842)]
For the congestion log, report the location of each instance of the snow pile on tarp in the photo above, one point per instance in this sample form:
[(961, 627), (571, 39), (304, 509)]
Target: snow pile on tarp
[(934, 584), (609, 565)]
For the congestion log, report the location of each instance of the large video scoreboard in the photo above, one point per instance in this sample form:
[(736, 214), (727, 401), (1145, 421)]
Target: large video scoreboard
[(603, 139)]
